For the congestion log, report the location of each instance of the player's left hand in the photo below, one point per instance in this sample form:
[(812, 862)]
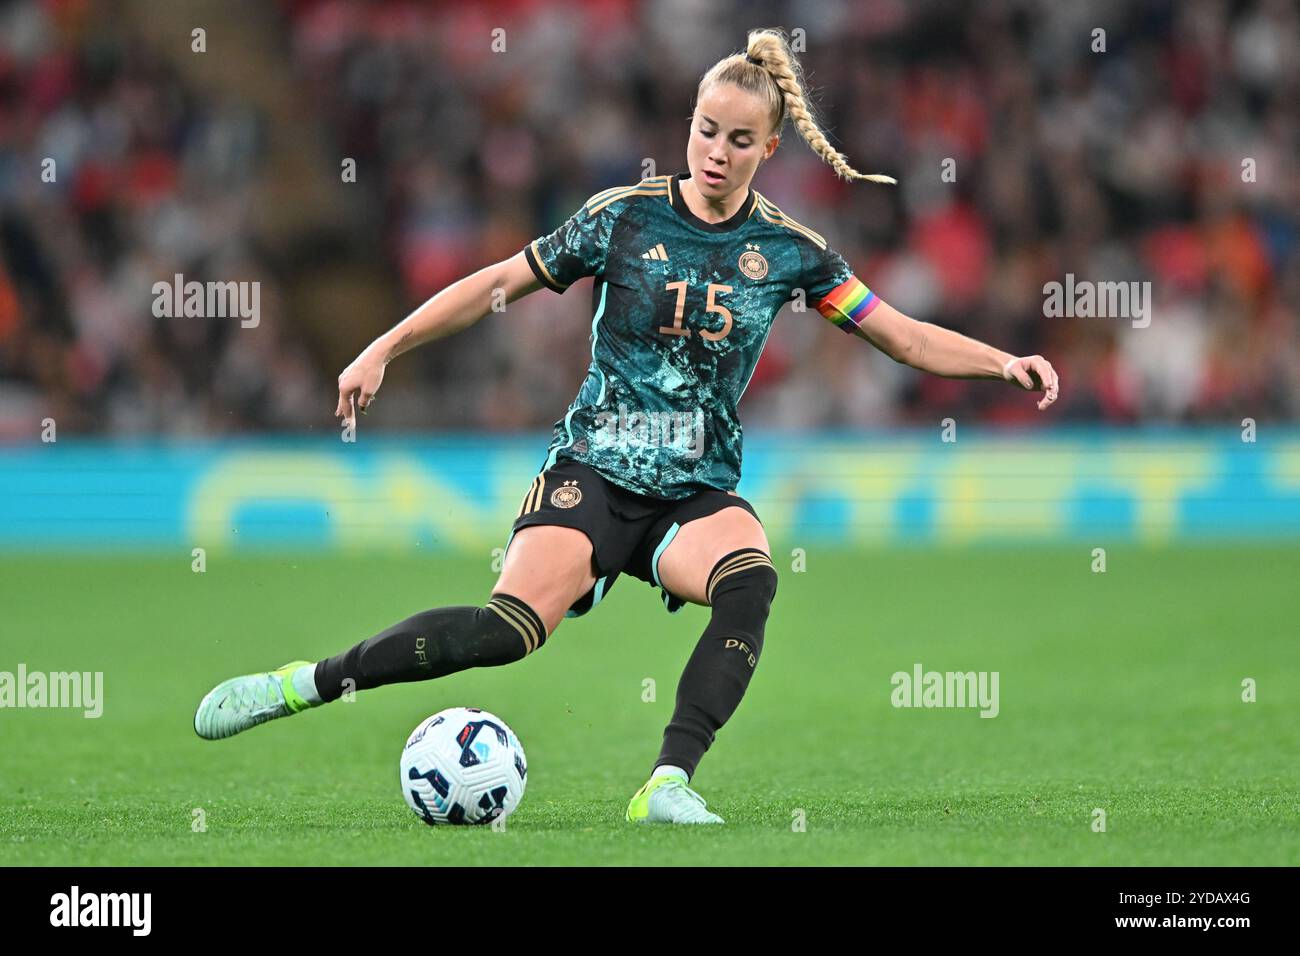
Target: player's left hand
[(358, 384), (1034, 373)]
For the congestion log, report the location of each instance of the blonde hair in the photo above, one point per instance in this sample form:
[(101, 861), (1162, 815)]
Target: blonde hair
[(769, 69)]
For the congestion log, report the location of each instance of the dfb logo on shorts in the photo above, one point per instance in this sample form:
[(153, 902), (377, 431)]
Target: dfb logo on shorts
[(567, 495)]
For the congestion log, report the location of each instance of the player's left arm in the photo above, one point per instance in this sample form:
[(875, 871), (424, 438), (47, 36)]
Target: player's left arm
[(932, 348)]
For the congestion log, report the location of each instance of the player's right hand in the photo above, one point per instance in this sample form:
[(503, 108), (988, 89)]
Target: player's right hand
[(357, 387)]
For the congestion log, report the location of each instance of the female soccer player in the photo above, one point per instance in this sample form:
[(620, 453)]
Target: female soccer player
[(690, 272)]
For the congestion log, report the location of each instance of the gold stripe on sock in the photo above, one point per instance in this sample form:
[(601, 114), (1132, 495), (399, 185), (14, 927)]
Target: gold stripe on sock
[(507, 616), (744, 563), (531, 632), (530, 621), (727, 565), (520, 620)]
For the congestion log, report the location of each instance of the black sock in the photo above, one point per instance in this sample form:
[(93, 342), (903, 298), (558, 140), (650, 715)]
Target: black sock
[(433, 644), (740, 590)]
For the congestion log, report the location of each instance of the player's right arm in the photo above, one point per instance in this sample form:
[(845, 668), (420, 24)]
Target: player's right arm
[(456, 307), (574, 250)]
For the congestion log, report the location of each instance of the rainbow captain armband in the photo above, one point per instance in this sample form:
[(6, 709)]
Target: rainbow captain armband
[(848, 304)]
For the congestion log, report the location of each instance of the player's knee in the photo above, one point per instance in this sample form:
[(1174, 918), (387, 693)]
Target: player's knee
[(746, 575)]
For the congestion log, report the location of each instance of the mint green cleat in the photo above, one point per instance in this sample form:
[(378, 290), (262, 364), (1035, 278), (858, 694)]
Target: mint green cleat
[(667, 799), (243, 702)]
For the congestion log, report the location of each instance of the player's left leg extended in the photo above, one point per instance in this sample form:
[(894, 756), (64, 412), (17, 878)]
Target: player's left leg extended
[(547, 569), (721, 561)]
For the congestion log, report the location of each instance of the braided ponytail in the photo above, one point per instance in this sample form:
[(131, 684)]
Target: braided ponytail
[(779, 77)]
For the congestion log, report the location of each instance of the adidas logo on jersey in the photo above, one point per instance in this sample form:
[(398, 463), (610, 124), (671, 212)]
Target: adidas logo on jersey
[(658, 252)]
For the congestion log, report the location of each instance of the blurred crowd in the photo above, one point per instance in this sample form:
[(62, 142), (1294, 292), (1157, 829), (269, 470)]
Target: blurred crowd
[(1151, 141)]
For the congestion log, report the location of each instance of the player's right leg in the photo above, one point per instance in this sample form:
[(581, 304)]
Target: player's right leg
[(715, 554), (547, 569)]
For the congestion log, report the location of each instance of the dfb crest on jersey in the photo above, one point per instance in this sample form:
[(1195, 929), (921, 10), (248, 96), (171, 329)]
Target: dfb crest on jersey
[(752, 263)]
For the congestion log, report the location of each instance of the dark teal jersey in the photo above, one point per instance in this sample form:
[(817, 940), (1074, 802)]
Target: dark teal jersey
[(681, 311)]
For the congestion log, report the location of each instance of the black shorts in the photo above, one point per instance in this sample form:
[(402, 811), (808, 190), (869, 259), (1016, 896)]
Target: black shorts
[(628, 531)]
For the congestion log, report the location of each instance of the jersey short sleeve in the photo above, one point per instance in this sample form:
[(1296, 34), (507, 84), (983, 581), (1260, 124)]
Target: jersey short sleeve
[(575, 250), (840, 296)]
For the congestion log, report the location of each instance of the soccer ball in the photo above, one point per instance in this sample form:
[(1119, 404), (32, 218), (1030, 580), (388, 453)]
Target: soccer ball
[(463, 766)]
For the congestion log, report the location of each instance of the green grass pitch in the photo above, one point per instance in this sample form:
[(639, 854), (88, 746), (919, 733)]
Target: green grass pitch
[(1120, 691)]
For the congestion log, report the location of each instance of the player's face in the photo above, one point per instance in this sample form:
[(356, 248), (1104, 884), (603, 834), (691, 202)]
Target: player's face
[(730, 135)]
